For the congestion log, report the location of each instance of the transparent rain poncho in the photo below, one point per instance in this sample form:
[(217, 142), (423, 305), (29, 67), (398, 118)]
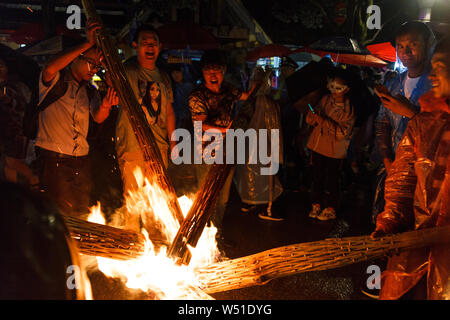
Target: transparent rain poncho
[(417, 195), (253, 187)]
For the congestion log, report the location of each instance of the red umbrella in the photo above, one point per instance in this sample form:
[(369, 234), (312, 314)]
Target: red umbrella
[(32, 32), (268, 50), (28, 33), (366, 60), (384, 51), (179, 36)]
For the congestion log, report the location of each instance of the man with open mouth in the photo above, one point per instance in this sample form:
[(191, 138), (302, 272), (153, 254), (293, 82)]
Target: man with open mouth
[(213, 104), (141, 72)]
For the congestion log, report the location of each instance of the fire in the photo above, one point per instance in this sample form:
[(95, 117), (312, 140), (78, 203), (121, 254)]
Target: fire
[(154, 271)]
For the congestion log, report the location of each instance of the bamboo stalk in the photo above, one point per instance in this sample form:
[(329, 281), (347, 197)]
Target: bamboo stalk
[(99, 240), (128, 101), (260, 268), (205, 199)]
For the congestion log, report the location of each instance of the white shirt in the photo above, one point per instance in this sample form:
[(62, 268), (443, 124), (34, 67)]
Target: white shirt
[(63, 125), (410, 85)]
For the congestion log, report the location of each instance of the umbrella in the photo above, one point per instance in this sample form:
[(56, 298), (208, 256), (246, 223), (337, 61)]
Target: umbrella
[(304, 56), (344, 50), (268, 50), (384, 51), (339, 45), (24, 68), (366, 60), (33, 32), (186, 35)]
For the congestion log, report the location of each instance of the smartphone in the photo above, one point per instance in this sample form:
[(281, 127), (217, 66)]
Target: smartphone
[(311, 108)]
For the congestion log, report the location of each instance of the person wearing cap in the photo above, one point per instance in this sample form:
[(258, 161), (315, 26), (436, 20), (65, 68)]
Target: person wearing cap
[(414, 42)]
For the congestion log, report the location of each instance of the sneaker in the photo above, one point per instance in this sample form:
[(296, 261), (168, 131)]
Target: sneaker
[(268, 214), (246, 208), (315, 211), (327, 214)]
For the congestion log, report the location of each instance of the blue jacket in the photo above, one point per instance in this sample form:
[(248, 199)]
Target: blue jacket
[(390, 126)]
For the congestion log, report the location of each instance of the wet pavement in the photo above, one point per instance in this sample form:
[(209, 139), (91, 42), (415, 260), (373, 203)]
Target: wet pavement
[(249, 234)]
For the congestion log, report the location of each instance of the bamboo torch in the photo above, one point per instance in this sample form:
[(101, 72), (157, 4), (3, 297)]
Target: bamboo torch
[(128, 101), (205, 199)]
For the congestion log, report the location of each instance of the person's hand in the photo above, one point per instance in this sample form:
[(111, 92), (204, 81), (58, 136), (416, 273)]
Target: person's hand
[(313, 118), (110, 99), (91, 27), (378, 233), (398, 104)]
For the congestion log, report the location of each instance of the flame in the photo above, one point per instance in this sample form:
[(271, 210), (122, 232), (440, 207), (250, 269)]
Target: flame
[(154, 271), (96, 215)]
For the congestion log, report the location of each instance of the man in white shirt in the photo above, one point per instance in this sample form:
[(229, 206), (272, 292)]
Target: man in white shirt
[(61, 142), (414, 42)]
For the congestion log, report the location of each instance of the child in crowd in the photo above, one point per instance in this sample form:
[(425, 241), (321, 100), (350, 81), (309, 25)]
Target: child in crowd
[(333, 119)]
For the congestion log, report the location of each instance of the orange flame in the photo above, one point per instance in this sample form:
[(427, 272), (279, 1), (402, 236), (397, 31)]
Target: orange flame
[(155, 271)]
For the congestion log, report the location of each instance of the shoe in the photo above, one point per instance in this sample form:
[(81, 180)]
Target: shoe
[(327, 214), (315, 211), (265, 216), (268, 214), (246, 208)]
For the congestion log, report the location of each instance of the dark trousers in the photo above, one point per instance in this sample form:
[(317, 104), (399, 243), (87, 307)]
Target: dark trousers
[(326, 173), (66, 181)]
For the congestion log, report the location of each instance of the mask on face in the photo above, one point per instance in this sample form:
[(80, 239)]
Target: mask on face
[(335, 87)]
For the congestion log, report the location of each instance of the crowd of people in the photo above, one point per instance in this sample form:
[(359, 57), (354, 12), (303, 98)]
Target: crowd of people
[(346, 119)]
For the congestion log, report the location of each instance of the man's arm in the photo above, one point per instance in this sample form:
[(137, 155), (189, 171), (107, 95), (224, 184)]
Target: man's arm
[(244, 96), (398, 104), (62, 60)]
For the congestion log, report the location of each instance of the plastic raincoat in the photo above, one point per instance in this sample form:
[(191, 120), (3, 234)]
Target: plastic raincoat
[(253, 187), (417, 196), (389, 130)]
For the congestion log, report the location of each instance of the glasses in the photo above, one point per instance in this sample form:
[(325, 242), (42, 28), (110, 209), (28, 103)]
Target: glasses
[(92, 64)]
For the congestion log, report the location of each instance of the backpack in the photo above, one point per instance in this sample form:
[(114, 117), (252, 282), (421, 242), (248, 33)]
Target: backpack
[(31, 116)]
